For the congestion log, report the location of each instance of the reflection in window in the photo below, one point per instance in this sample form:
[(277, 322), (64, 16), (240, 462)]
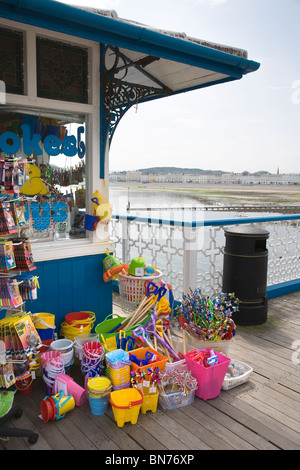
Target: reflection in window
[(54, 186), (62, 71)]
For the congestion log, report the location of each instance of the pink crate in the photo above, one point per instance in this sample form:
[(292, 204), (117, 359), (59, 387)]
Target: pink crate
[(209, 379)]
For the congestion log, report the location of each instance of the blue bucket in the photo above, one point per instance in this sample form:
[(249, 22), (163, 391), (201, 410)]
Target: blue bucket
[(98, 405)]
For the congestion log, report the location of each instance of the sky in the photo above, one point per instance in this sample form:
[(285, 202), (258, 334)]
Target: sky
[(252, 124)]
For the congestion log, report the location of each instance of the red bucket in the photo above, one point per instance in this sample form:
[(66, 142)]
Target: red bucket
[(77, 317), (25, 384), (48, 409)]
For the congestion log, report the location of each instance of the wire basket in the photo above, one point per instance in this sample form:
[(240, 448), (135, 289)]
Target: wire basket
[(132, 289)]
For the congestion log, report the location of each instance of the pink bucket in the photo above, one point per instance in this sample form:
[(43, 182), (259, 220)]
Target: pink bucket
[(209, 379), (70, 387)]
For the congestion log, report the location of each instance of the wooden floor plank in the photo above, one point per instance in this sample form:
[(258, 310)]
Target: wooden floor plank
[(261, 414)]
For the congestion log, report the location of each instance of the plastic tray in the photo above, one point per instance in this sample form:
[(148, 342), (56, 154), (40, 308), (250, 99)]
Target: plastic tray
[(231, 382)]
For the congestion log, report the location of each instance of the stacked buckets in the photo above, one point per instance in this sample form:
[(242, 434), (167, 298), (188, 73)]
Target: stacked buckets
[(119, 368), (65, 348), (98, 389), (52, 366), (92, 359)]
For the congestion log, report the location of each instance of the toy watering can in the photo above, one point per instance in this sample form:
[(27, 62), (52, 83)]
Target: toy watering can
[(112, 267)]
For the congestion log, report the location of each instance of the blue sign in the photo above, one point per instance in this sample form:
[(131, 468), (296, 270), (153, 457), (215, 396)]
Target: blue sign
[(41, 221), (70, 145)]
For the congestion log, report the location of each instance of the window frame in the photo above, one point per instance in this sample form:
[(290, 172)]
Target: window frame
[(71, 248)]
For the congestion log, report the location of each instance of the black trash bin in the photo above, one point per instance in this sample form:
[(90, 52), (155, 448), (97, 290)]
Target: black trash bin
[(245, 269)]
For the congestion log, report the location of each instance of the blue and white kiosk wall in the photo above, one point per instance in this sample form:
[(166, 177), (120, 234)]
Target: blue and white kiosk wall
[(71, 74)]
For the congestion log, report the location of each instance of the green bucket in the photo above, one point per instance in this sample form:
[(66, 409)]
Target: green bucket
[(107, 325)]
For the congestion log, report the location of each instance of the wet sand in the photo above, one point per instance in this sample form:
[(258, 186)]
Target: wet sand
[(210, 193)]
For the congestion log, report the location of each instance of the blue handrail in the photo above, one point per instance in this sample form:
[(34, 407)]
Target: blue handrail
[(207, 223)]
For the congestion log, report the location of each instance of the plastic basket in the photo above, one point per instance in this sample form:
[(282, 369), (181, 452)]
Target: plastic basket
[(177, 365), (209, 379), (175, 400), (132, 289), (140, 354), (231, 382), (126, 404)]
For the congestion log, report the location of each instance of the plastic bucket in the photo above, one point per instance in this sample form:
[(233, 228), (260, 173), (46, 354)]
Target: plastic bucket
[(62, 345), (149, 403), (65, 347), (209, 379), (80, 341), (98, 405), (64, 403), (98, 392), (78, 319), (44, 324), (52, 366), (107, 325), (56, 407), (98, 387), (120, 376), (126, 404), (25, 384), (77, 324), (48, 409), (93, 354)]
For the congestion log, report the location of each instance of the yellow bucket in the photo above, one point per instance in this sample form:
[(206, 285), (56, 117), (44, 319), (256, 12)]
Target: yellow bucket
[(43, 320), (98, 387), (44, 324), (64, 403), (72, 328), (119, 376), (126, 404), (150, 403)]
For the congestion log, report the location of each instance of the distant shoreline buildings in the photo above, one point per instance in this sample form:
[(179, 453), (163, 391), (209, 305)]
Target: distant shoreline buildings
[(146, 176)]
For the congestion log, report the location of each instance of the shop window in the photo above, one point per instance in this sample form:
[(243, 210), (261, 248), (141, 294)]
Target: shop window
[(42, 160), (11, 61), (62, 71)]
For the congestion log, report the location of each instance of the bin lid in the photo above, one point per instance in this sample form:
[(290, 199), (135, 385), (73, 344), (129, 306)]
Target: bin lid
[(248, 231)]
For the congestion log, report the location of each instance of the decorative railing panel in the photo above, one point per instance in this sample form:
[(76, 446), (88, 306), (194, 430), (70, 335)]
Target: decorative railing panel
[(190, 254)]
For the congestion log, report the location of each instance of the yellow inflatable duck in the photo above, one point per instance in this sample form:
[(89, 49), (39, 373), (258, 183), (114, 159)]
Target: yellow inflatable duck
[(35, 185)]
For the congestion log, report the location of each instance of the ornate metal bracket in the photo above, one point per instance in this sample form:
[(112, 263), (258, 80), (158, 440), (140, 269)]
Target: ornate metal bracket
[(118, 95)]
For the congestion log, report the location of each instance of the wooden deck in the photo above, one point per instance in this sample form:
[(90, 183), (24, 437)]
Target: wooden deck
[(262, 414)]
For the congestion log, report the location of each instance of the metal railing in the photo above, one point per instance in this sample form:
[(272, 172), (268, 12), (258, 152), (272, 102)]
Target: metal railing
[(190, 253)]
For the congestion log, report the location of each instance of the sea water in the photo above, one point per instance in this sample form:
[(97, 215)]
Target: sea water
[(182, 206)]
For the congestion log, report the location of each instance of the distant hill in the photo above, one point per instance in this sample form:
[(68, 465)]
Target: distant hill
[(163, 170), (172, 169)]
